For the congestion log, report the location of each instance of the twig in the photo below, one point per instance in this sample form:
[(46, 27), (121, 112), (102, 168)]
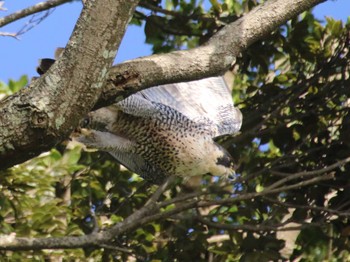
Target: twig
[(266, 191), (14, 35), (121, 249), (183, 198), (314, 208), (1, 6), (290, 177), (174, 13), (31, 10), (34, 21), (160, 190), (254, 228)]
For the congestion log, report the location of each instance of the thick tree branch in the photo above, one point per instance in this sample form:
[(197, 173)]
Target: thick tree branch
[(36, 118), (31, 10)]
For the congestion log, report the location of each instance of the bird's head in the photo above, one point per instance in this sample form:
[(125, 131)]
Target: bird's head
[(96, 129), (224, 165)]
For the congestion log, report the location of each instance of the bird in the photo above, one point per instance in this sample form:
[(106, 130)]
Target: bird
[(168, 130)]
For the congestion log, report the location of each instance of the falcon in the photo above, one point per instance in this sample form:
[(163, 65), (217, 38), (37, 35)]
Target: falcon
[(165, 130), (168, 130)]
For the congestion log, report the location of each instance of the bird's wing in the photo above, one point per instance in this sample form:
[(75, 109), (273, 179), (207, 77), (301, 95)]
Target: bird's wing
[(136, 163), (207, 100), (121, 149)]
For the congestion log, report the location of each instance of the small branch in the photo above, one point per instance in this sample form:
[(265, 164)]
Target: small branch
[(313, 208), (254, 228), (140, 217), (160, 10), (182, 198), (160, 190), (31, 10), (266, 191), (1, 6), (289, 177), (174, 13), (14, 35), (34, 21), (123, 250)]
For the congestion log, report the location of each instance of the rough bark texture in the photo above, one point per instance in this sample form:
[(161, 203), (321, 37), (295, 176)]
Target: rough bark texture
[(46, 112), (42, 115)]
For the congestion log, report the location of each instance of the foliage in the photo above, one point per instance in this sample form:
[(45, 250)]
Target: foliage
[(293, 90)]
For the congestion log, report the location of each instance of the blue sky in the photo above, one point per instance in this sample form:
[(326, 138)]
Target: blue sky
[(20, 57)]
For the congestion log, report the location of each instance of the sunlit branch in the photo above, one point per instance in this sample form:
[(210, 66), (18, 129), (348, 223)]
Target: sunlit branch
[(31, 10)]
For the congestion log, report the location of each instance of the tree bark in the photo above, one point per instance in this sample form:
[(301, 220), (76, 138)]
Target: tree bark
[(36, 118)]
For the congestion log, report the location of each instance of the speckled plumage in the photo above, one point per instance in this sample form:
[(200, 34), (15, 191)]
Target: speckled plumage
[(168, 130)]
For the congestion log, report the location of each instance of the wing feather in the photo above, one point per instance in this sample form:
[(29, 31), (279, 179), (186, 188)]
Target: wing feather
[(207, 100), (139, 165)]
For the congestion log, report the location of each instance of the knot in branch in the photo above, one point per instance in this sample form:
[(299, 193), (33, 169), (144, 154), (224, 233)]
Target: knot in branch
[(39, 119)]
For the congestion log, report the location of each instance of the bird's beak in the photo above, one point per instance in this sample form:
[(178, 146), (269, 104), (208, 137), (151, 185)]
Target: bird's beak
[(80, 132), (230, 176)]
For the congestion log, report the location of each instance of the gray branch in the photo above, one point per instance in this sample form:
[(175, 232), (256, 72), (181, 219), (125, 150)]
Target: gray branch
[(31, 10)]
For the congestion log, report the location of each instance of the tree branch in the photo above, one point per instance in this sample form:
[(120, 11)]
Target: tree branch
[(318, 209), (174, 13), (161, 189), (1, 6), (253, 228), (36, 118), (266, 191), (14, 35), (31, 10), (290, 177), (146, 214)]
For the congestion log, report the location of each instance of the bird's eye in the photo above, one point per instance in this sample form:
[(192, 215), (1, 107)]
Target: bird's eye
[(85, 122), (232, 176)]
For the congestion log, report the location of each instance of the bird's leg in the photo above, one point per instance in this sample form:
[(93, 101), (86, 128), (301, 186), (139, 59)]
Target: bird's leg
[(104, 141)]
